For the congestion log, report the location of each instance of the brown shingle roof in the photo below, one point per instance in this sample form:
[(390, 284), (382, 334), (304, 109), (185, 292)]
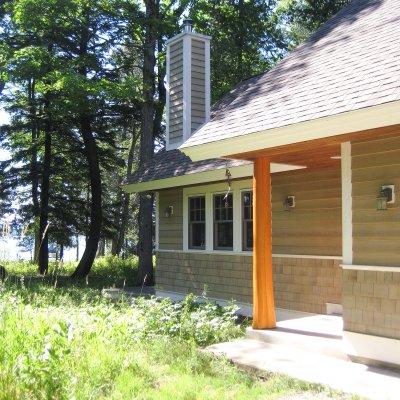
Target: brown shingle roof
[(352, 62), (168, 164)]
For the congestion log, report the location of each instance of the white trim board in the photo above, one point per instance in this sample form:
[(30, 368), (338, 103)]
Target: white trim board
[(371, 347), (347, 204), (377, 268), (157, 222), (187, 87), (248, 253), (194, 35), (339, 124), (167, 99), (216, 175)]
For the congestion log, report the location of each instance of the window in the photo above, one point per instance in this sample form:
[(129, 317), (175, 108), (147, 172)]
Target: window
[(247, 220), (223, 222), (197, 223)]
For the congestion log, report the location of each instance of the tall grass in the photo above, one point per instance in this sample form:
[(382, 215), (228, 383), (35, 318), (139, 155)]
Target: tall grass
[(69, 342), (106, 271)]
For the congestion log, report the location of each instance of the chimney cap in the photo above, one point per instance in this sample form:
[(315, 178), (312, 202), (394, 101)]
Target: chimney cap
[(187, 25)]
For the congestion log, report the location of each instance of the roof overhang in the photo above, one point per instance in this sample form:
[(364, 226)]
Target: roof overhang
[(241, 171), (339, 124)]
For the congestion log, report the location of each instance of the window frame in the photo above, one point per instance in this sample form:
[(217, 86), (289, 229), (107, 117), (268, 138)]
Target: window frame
[(216, 223), (244, 221), (191, 223), (209, 190)]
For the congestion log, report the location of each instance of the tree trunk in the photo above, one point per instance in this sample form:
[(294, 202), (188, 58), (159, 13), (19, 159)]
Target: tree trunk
[(86, 262), (77, 247), (118, 241), (96, 216), (145, 245), (44, 203), (34, 167), (62, 253)]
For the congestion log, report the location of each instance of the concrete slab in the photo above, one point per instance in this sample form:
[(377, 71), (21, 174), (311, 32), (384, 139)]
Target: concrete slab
[(319, 324), (342, 375)]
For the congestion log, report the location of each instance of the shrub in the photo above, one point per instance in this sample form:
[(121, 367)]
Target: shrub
[(203, 323)]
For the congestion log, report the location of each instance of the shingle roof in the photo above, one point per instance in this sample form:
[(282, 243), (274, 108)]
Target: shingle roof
[(352, 62), (172, 163)]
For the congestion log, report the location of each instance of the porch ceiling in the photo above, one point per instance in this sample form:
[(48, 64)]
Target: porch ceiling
[(320, 153)]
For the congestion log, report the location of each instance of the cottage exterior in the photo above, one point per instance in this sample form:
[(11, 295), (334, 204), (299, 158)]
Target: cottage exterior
[(284, 194)]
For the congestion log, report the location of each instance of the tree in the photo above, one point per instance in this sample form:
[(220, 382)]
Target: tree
[(303, 17), (159, 22), (246, 39), (145, 247)]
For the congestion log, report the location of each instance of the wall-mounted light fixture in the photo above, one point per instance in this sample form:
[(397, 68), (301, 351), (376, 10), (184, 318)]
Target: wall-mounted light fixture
[(385, 197), (289, 202), (169, 211)]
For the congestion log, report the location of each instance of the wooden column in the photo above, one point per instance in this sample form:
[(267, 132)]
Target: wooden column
[(263, 292)]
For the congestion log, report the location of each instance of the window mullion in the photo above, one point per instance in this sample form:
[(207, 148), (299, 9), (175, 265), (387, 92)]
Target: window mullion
[(237, 221), (209, 222)]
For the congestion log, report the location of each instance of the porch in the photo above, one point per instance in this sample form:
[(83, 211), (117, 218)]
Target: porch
[(310, 347), (371, 293)]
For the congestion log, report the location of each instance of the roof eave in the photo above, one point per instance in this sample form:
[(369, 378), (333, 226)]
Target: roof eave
[(333, 125), (216, 175)]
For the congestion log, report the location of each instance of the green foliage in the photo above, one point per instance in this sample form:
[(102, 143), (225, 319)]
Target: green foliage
[(301, 18), (202, 323), (246, 39), (107, 271), (72, 343)]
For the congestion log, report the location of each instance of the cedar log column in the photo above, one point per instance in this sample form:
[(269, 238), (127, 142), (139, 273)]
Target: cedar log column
[(263, 292)]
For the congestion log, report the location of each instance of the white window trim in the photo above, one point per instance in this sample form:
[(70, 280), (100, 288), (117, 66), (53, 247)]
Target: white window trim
[(186, 226), (238, 187), (209, 191)]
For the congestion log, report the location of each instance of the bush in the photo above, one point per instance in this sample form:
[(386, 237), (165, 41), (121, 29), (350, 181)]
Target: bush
[(203, 323)]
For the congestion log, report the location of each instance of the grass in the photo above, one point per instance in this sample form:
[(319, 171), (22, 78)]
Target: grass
[(68, 342), (110, 271)]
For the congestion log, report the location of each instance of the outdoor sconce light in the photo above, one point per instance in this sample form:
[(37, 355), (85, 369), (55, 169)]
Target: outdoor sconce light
[(289, 203), (169, 211), (385, 197)]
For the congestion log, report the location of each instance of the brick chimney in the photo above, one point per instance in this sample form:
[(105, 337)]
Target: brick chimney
[(188, 84)]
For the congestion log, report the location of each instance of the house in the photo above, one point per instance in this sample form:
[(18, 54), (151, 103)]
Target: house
[(286, 193)]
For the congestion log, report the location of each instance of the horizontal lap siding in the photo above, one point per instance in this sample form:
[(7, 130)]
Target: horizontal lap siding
[(175, 117), (376, 234), (170, 228), (314, 225), (198, 85)]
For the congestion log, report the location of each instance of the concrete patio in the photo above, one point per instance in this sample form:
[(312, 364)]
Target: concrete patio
[(309, 347)]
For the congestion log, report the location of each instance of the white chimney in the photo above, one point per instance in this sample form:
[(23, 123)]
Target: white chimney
[(188, 84)]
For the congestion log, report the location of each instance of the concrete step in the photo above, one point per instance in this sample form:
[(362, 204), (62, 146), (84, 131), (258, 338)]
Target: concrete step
[(369, 382), (319, 343)]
